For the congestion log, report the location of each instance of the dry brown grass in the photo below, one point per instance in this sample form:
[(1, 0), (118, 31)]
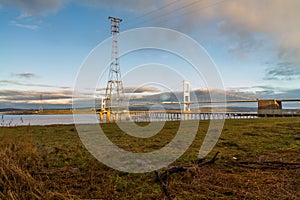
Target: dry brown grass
[(229, 181), (49, 162), (19, 167)]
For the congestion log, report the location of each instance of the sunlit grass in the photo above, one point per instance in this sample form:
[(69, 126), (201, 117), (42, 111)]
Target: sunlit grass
[(50, 162)]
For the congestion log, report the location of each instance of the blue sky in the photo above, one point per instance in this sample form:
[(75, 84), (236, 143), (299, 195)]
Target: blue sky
[(255, 44)]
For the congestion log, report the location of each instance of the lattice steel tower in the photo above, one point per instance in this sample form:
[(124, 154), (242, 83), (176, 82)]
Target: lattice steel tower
[(41, 109), (114, 93)]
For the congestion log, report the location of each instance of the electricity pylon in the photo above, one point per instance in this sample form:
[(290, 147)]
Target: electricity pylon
[(114, 92), (41, 109)]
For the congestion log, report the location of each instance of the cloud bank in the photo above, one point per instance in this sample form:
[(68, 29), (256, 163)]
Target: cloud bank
[(31, 95), (30, 99), (248, 26), (12, 82), (265, 92), (143, 89)]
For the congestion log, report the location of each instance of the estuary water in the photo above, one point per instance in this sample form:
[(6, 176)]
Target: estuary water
[(25, 120)]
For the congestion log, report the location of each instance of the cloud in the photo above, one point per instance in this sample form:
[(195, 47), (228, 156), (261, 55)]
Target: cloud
[(25, 75), (245, 24), (136, 6), (283, 71), (41, 7), (10, 82), (275, 19), (34, 7), (27, 21), (240, 21), (143, 89), (33, 95), (32, 10), (266, 92), (30, 99), (247, 28), (27, 26)]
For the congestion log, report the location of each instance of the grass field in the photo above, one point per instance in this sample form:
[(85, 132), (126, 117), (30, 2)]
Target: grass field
[(259, 159)]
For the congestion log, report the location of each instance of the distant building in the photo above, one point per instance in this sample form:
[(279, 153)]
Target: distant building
[(269, 105), (268, 108)]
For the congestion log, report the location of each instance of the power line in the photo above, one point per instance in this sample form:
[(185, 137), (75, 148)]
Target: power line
[(151, 12), (205, 7), (175, 10), (167, 13)]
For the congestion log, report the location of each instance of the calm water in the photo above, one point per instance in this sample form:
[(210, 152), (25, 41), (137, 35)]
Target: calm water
[(24, 120)]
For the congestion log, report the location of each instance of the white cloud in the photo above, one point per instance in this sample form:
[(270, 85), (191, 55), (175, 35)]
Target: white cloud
[(35, 94), (28, 99), (266, 92), (27, 26), (246, 27), (51, 101), (12, 82), (275, 18), (34, 7), (137, 6), (143, 89)]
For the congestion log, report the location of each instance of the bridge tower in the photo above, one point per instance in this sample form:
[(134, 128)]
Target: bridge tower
[(186, 96)]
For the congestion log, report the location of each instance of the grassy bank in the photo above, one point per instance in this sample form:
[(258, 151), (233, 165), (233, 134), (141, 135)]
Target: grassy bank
[(258, 160)]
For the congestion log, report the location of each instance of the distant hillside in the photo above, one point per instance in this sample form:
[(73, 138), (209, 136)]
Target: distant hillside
[(9, 109)]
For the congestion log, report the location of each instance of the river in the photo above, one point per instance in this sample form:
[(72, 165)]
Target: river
[(25, 120)]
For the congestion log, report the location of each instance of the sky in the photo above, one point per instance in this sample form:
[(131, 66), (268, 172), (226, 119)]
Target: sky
[(254, 44)]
